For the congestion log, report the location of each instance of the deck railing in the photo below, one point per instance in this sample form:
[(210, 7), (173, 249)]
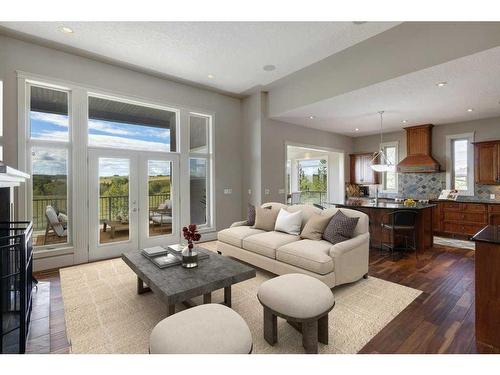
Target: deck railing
[(313, 196), (109, 207)]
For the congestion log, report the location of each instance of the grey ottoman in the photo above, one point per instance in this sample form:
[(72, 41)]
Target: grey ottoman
[(303, 301), (205, 329)]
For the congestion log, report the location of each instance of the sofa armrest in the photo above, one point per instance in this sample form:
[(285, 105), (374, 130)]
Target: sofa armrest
[(239, 224), (345, 246)]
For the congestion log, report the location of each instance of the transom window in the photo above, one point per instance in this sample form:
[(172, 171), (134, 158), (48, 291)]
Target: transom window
[(119, 124)]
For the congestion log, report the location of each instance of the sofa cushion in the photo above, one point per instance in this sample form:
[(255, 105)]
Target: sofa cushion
[(340, 228), (267, 243), (310, 255), (363, 222), (265, 219), (288, 222), (235, 235), (315, 226)]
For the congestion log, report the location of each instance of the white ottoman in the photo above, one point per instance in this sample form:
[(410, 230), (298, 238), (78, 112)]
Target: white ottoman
[(205, 329), (303, 301)]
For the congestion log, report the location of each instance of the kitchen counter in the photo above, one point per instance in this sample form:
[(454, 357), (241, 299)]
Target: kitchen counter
[(489, 234), (466, 200), (384, 205)]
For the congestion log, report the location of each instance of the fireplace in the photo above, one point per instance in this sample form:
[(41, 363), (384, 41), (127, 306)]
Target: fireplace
[(16, 265)]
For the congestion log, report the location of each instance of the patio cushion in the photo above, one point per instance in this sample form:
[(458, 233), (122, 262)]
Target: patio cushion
[(267, 243), (235, 235), (161, 219), (311, 255)]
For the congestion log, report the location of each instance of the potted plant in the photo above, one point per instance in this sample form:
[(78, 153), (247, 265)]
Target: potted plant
[(190, 256)]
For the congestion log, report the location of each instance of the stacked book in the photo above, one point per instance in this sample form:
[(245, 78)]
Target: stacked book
[(167, 257)]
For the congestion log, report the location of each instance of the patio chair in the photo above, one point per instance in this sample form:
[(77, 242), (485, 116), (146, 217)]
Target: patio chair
[(58, 228), (162, 214)]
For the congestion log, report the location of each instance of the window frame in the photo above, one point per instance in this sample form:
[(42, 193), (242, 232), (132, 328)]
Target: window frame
[(450, 164), (383, 147), (209, 226), (65, 145)]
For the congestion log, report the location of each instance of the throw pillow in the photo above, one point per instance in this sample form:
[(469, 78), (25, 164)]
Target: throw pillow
[(340, 228), (265, 218), (251, 214), (315, 227), (63, 218), (289, 222)]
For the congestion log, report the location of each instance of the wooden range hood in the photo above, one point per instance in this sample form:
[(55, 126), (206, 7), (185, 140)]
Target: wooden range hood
[(419, 149)]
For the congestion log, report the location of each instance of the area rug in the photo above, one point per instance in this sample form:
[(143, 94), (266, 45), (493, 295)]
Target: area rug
[(104, 313)]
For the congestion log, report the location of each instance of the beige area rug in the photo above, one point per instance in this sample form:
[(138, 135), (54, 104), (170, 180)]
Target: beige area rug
[(104, 314)]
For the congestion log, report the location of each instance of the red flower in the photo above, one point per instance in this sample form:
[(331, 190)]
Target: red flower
[(190, 233)]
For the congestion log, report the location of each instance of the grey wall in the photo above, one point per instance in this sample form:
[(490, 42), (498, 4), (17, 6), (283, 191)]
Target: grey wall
[(251, 143), (31, 58), (275, 135), (485, 129)]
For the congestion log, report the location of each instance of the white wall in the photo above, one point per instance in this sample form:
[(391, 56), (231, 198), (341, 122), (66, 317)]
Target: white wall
[(19, 55)]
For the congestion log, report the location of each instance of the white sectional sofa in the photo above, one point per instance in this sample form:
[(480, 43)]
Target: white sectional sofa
[(282, 253)]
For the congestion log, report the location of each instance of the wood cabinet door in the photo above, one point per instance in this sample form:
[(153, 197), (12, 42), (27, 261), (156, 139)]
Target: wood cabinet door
[(486, 163)]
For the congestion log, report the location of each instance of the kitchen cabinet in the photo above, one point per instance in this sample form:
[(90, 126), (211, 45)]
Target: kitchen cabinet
[(361, 172), (487, 162), (462, 220)]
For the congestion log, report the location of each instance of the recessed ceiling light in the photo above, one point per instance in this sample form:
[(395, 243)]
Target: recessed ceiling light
[(356, 129), (311, 117), (67, 30), (441, 84), (470, 109), (404, 121), (210, 76), (269, 68)]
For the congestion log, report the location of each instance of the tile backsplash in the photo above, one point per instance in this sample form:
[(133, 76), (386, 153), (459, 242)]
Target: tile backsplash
[(429, 186)]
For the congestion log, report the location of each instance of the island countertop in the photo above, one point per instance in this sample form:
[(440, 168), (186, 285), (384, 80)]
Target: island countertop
[(384, 205), (489, 234)]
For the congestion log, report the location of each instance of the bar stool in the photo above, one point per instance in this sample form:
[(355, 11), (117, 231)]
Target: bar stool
[(400, 224)]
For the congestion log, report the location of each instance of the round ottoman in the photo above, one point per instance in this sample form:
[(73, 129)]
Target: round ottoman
[(303, 301), (205, 329)]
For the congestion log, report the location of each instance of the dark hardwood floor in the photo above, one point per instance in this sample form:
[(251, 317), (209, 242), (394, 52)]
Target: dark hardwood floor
[(440, 320)]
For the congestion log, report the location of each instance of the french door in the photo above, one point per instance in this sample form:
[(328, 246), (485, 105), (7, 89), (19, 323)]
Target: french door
[(133, 201)]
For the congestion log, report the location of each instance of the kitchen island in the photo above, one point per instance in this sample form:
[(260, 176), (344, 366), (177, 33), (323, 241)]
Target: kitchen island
[(378, 213)]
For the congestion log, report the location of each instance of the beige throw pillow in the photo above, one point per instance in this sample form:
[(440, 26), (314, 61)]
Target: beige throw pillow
[(315, 226), (265, 218)]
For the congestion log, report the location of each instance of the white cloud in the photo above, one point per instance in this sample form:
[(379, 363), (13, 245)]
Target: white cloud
[(54, 135), (51, 118), (106, 127), (101, 140)]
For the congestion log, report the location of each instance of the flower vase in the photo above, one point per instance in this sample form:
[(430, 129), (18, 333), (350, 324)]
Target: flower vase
[(189, 257)]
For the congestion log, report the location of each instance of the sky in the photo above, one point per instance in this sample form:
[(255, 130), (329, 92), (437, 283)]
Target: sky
[(54, 127)]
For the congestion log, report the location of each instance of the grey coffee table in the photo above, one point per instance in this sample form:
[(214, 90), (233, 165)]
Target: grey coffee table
[(179, 285)]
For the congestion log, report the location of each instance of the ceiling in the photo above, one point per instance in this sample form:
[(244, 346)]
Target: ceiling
[(234, 53), (472, 82)]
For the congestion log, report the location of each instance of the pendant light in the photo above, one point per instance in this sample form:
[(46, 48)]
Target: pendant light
[(379, 163)]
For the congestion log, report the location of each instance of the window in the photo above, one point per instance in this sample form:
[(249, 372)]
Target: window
[(121, 124), (312, 180), (48, 145), (390, 179), (200, 162), (460, 164)]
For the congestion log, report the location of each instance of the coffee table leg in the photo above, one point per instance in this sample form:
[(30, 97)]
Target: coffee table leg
[(141, 289), (207, 298), (227, 296), (170, 310)]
